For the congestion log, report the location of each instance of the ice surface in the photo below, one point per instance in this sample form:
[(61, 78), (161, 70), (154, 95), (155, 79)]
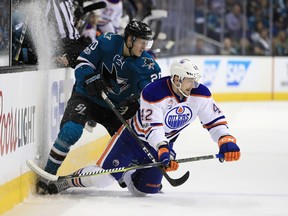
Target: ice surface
[(255, 185)]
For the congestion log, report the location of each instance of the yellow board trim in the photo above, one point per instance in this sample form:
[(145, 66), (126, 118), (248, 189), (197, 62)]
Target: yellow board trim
[(227, 97), (280, 96), (18, 189), (15, 191), (219, 97)]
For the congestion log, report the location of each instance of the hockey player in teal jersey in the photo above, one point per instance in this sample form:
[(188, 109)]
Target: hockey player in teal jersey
[(124, 76), (119, 66)]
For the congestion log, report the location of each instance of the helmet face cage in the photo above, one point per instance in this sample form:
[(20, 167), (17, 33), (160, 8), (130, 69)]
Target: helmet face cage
[(138, 29)]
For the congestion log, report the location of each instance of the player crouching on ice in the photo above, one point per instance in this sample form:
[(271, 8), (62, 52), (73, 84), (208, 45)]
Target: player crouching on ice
[(167, 106)]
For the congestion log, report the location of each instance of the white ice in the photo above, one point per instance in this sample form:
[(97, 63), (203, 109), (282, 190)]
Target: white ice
[(255, 185)]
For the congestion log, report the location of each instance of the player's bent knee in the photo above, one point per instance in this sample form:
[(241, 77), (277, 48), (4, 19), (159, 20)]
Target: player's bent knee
[(146, 181), (130, 185)]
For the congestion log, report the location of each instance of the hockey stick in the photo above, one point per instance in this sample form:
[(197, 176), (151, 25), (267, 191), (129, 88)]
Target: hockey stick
[(95, 6), (52, 177), (173, 182), (81, 11)]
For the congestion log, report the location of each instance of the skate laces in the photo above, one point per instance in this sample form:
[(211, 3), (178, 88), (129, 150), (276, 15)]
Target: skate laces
[(58, 186)]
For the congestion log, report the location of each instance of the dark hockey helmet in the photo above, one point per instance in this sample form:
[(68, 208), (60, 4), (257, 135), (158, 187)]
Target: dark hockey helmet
[(138, 29)]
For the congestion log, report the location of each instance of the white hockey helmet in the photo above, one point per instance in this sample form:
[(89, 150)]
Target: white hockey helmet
[(185, 68)]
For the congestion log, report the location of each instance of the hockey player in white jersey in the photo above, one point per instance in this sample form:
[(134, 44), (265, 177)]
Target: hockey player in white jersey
[(167, 106), (110, 16)]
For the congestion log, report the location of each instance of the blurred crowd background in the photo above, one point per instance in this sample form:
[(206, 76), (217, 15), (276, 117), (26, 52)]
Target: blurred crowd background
[(197, 27), (227, 27)]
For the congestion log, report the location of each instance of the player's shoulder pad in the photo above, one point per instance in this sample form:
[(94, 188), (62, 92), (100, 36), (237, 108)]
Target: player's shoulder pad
[(110, 36), (202, 90), (108, 41), (146, 61), (156, 90)]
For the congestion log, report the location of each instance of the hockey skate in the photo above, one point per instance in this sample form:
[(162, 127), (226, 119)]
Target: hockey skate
[(57, 186), (42, 186)]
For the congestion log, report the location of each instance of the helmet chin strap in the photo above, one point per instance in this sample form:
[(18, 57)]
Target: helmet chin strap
[(179, 88), (130, 48)]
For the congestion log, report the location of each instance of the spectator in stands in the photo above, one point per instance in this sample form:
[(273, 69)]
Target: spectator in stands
[(90, 29), (203, 48), (279, 25), (110, 17), (229, 4), (280, 44), (234, 21), (255, 18), (4, 24), (255, 35), (263, 45), (199, 16), (214, 19), (2, 41), (244, 47), (228, 48)]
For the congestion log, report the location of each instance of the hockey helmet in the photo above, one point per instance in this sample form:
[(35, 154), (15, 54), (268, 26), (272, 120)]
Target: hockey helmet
[(185, 68), (138, 29)]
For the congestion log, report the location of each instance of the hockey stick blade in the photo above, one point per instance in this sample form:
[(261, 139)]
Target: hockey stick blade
[(79, 12), (176, 182), (95, 6), (40, 171)]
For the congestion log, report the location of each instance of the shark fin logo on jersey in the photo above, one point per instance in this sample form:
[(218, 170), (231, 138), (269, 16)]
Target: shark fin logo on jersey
[(148, 62), (116, 84), (110, 78), (107, 35), (178, 117)]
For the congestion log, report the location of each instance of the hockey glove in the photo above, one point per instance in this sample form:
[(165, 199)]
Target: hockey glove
[(167, 155), (73, 48), (95, 85), (229, 148), (129, 107)]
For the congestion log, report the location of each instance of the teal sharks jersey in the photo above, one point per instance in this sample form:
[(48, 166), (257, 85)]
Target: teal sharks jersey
[(130, 74)]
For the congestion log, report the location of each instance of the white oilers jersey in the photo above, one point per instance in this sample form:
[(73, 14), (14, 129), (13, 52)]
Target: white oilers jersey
[(110, 16), (162, 114)]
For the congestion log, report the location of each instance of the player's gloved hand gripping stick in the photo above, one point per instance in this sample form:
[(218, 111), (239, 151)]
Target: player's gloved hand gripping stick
[(167, 156)]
